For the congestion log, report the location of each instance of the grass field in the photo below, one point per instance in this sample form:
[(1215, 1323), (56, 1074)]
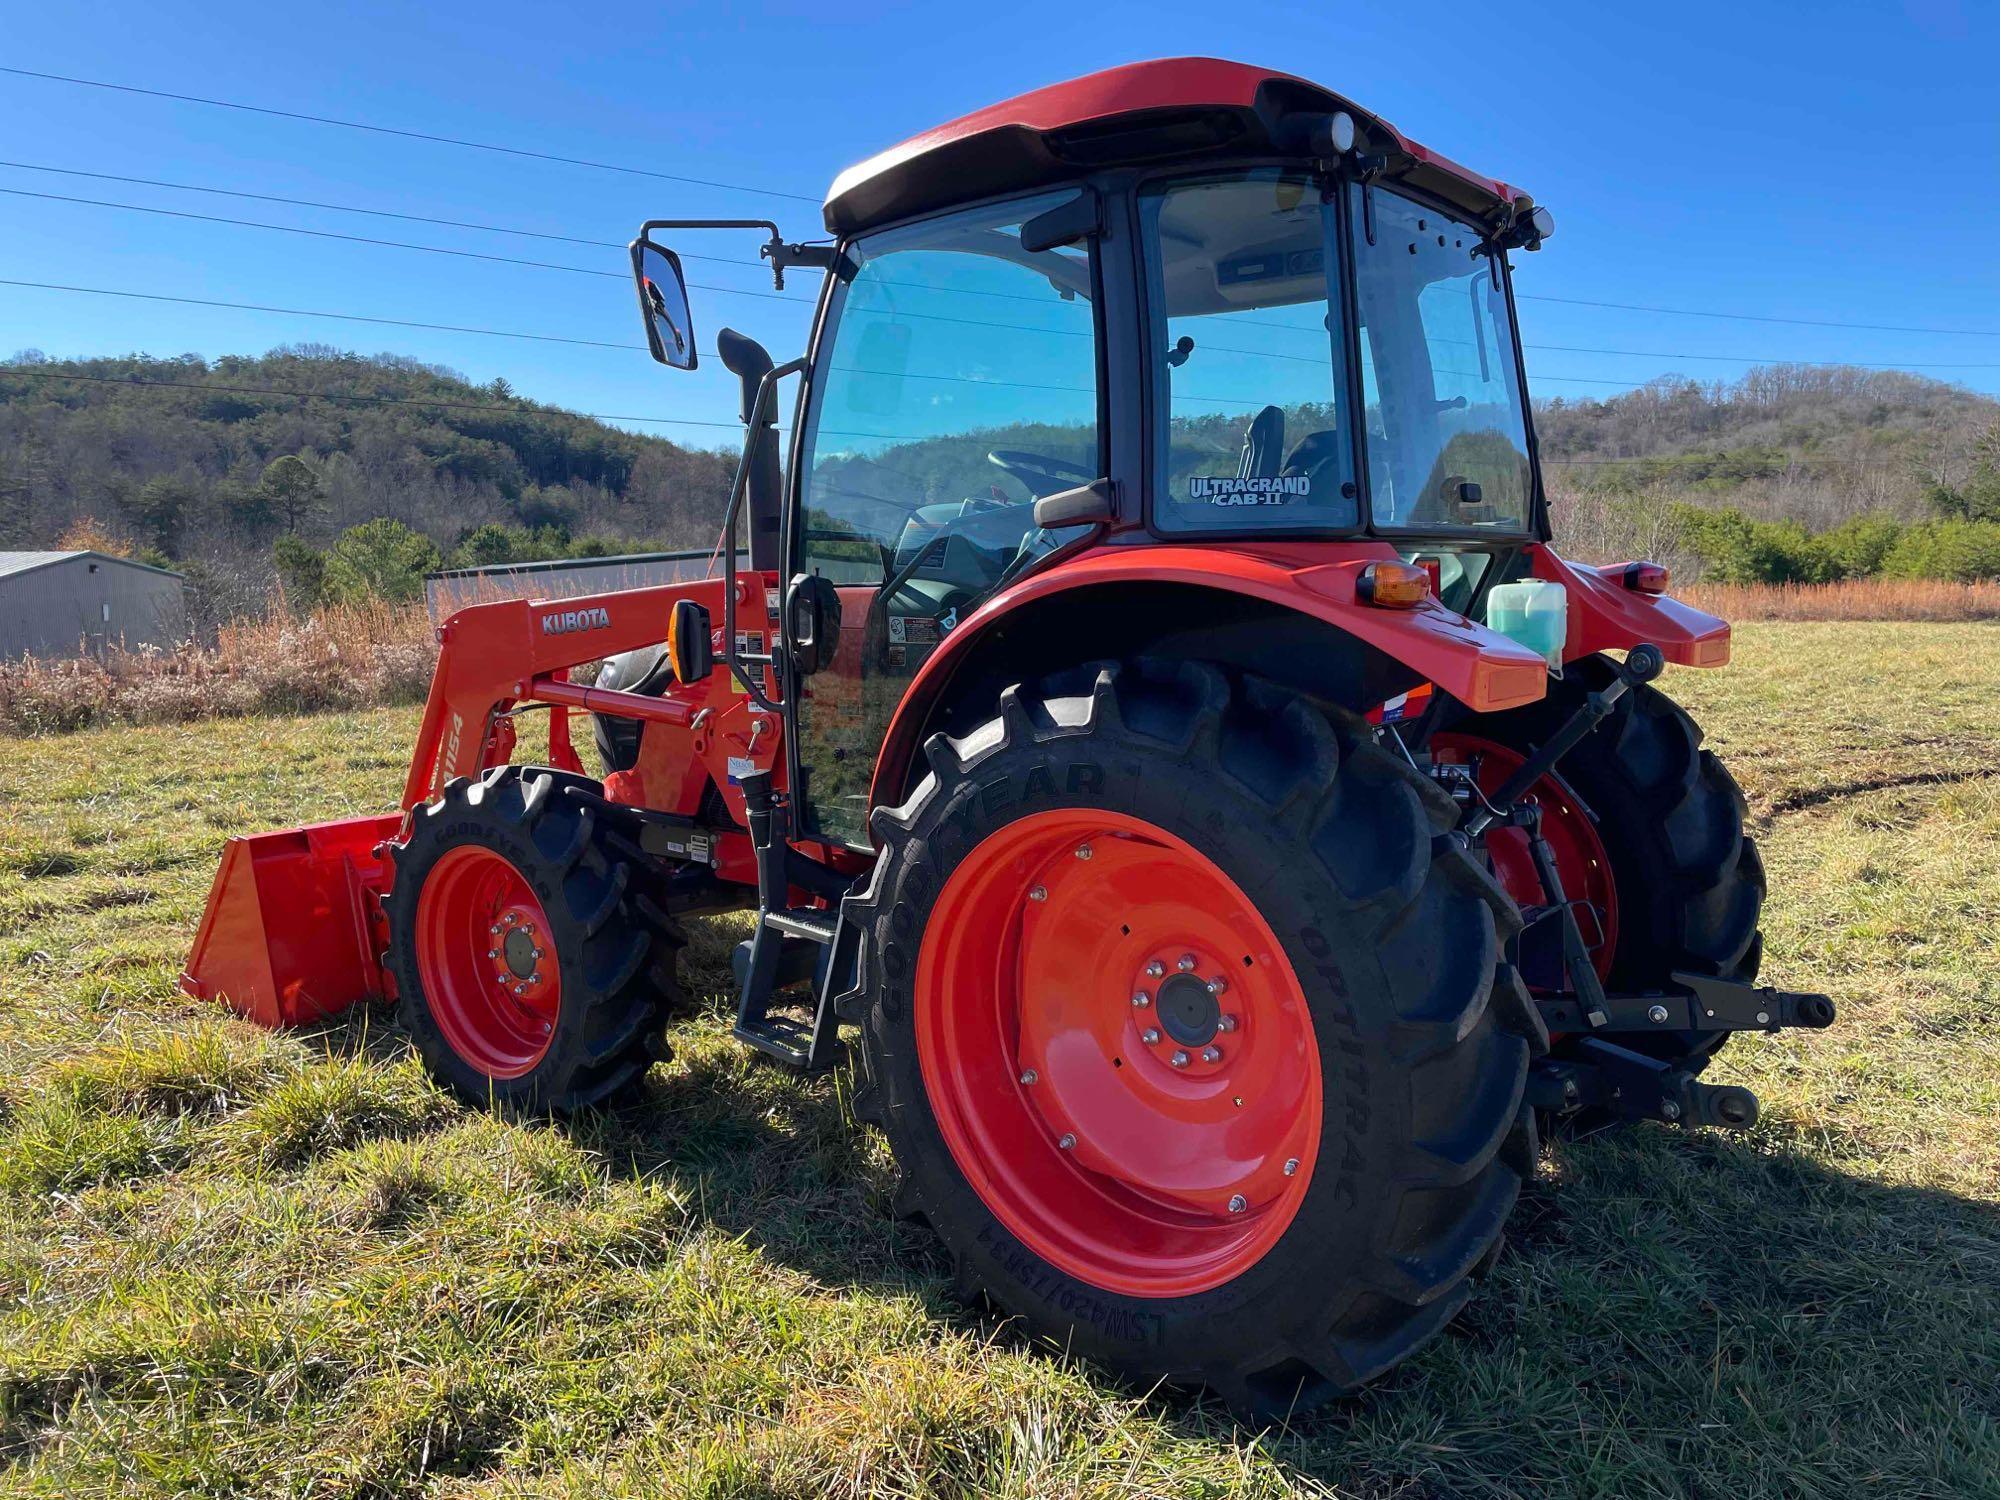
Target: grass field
[(250, 1264)]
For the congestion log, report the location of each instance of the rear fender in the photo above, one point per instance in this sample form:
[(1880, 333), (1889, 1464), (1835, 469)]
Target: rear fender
[(1604, 615), (1098, 592)]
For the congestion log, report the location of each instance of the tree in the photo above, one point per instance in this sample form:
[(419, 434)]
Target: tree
[(379, 559), (88, 534), (159, 508), (292, 486), (302, 569)]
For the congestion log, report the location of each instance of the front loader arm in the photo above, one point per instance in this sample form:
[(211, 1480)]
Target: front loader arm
[(495, 656)]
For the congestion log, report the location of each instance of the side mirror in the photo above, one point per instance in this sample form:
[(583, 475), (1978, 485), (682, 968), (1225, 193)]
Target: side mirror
[(663, 304), (814, 606)]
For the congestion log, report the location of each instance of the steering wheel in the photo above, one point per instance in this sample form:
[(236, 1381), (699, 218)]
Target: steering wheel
[(1041, 474)]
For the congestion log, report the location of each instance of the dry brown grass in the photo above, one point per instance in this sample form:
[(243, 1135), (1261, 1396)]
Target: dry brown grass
[(345, 656), (1853, 599)]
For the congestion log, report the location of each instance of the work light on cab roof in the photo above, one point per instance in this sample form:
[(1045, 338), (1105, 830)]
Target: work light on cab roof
[(1167, 762)]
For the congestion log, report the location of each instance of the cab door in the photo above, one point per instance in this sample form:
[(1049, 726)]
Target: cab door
[(955, 382)]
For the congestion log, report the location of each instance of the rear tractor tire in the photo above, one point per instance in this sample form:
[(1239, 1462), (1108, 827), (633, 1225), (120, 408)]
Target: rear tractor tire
[(1186, 1022), (530, 972)]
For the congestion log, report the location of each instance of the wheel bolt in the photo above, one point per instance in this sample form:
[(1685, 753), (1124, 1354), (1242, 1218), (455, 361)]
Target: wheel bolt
[(495, 929), (1225, 1023), (1028, 1075), (536, 954), (1291, 1166), (1083, 851), (1038, 893), (1155, 969), (1180, 1059), (520, 989), (1217, 986), (1238, 1203), (1142, 999), (1657, 1015), (1067, 1143), (492, 952), (1211, 1054), (1185, 963), (1150, 1037)]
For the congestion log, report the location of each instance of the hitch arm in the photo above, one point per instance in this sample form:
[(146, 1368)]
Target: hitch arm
[(1703, 1004)]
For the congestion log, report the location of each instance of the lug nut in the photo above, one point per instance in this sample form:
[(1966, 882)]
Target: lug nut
[(1150, 1037), (494, 929), (1029, 1076), (536, 954), (1141, 999), (520, 989), (492, 952), (1238, 1203), (1657, 1014), (1155, 969), (1218, 986), (1083, 851), (1211, 1054), (1185, 963), (1067, 1143), (1038, 893), (1291, 1166), (1225, 1023), (1180, 1059)]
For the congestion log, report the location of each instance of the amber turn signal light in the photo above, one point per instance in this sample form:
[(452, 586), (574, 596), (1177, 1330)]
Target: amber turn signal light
[(1647, 578), (1393, 585)]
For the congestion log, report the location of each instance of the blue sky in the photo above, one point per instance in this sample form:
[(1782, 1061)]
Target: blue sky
[(1839, 162)]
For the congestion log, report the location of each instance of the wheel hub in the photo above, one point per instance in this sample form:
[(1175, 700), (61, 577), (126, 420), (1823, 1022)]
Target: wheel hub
[(1129, 1111), (487, 962)]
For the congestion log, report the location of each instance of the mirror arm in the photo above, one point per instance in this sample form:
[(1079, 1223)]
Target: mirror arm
[(775, 248), (766, 393)]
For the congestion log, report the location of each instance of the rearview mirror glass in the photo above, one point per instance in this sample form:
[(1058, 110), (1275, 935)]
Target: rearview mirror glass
[(663, 304)]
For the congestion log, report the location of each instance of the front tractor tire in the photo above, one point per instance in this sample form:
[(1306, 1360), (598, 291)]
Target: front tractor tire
[(1185, 1018), (529, 971)]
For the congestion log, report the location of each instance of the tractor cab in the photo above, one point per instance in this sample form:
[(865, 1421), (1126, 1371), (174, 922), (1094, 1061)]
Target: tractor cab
[(1181, 303)]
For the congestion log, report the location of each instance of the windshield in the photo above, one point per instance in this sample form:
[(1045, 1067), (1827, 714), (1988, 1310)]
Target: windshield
[(1247, 353), (1447, 427)]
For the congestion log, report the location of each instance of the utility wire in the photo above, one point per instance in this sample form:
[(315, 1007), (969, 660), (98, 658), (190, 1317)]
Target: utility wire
[(413, 135), (308, 312), (362, 239), (123, 88), (1693, 312)]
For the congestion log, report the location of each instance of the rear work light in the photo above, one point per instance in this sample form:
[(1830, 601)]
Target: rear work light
[(1393, 585), (1647, 578)]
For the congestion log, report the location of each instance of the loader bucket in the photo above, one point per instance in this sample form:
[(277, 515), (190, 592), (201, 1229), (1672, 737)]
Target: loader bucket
[(289, 934)]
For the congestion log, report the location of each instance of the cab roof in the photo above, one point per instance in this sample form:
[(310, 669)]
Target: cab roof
[(1170, 110)]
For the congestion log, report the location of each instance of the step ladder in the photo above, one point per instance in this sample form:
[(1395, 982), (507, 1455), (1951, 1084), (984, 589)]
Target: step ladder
[(791, 945)]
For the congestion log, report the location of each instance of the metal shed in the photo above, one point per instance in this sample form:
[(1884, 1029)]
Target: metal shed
[(77, 603), (565, 578)]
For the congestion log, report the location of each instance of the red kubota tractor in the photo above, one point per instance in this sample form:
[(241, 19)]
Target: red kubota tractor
[(1149, 713)]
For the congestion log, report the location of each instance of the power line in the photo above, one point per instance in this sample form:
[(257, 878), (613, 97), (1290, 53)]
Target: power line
[(1695, 312), (308, 312), (375, 213), (362, 239), (414, 135)]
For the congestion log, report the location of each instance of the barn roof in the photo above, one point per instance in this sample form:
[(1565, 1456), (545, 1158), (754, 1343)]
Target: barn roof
[(26, 562)]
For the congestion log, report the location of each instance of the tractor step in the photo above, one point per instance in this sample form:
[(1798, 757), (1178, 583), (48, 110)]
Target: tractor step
[(807, 922), (790, 1041)]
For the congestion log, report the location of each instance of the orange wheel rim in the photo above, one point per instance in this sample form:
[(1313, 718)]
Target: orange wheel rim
[(1118, 1053), (487, 961)]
